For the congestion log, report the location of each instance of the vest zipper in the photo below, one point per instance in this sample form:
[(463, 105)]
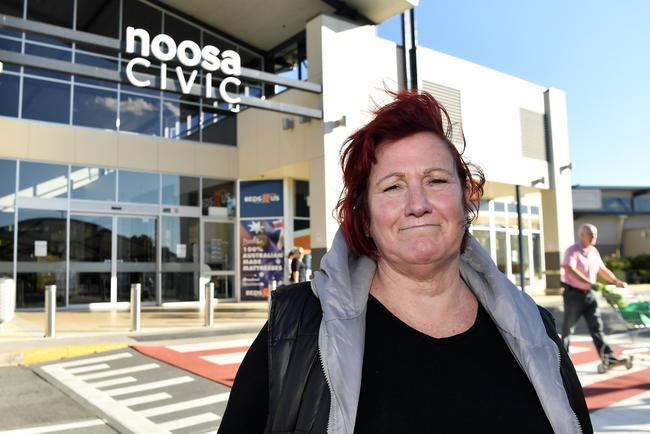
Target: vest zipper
[(329, 386), (559, 367)]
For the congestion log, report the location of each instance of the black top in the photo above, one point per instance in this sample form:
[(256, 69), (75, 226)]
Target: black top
[(411, 382), (299, 266)]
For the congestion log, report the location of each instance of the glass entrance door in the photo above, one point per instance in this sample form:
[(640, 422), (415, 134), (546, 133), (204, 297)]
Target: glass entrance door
[(91, 258), (218, 257), (136, 256)]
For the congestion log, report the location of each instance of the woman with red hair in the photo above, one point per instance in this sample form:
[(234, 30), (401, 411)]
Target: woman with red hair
[(409, 327)]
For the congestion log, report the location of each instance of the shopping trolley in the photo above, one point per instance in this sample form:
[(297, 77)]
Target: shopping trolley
[(633, 312)]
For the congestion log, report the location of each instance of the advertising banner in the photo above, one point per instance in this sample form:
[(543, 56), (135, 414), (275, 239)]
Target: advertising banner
[(260, 199), (261, 255)]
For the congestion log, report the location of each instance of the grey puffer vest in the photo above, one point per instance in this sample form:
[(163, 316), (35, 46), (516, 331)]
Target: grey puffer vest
[(316, 344)]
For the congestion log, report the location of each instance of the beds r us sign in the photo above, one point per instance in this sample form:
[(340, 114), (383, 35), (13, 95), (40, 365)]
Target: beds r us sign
[(189, 54)]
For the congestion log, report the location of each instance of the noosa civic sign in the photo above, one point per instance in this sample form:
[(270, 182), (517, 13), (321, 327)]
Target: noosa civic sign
[(189, 54)]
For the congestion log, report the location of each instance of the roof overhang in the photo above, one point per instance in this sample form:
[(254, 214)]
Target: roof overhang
[(264, 24)]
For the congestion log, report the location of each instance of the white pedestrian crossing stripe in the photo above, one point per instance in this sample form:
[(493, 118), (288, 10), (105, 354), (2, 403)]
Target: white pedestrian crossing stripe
[(225, 359), (109, 382)]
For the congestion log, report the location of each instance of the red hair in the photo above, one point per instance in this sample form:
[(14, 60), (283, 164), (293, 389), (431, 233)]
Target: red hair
[(409, 113)]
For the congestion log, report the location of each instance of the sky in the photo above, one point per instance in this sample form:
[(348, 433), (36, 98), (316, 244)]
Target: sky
[(597, 51)]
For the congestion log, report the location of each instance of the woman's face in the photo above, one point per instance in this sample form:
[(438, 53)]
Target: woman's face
[(415, 201)]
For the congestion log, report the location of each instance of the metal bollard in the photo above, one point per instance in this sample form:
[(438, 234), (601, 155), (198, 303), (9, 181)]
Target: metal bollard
[(136, 289), (209, 304), (50, 311)]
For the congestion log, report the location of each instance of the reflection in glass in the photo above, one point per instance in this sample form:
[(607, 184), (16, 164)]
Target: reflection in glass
[(180, 258), (483, 237), (90, 259), (139, 114), (46, 100), (93, 183), (6, 242), (224, 286), (94, 108), (181, 121), (10, 45), (43, 180), (537, 256), (9, 88), (7, 183), (136, 256), (218, 246), (138, 187), (41, 255), (180, 190), (502, 252), (516, 258), (218, 198), (12, 7)]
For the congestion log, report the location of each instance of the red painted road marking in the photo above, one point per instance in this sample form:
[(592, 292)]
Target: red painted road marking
[(192, 362), (602, 394)]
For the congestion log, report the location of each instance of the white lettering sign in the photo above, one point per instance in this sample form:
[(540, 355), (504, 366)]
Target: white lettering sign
[(190, 55)]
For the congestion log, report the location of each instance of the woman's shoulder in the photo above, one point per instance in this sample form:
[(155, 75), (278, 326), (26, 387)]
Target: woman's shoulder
[(295, 310)]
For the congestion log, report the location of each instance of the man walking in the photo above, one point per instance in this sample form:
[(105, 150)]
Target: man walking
[(582, 264)]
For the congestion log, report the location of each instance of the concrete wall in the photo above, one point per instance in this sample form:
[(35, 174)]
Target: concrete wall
[(490, 103), (49, 142)]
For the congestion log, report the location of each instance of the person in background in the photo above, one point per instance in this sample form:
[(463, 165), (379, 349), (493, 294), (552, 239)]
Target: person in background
[(298, 269), (582, 265), (408, 325)]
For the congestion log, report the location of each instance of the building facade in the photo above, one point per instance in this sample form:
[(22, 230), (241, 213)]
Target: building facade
[(621, 214), (172, 144)]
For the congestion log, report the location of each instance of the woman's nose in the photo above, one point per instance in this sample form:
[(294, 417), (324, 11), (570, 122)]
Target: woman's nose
[(417, 203)]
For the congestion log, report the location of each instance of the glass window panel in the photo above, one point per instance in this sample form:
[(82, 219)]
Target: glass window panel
[(537, 256), (483, 237), (483, 219), (534, 210), (219, 126), (46, 100), (94, 108), (180, 30), (218, 198), (139, 114), (147, 91), (7, 183), (41, 255), (58, 13), (40, 73), (499, 206), (6, 242), (12, 7), (100, 17), (224, 286), (93, 183), (88, 59), (516, 258), (10, 44), (302, 198), (535, 222), (136, 256), (90, 259), (43, 180), (180, 286), (180, 190), (9, 89), (300, 225), (642, 203), (617, 203), (502, 252), (139, 15), (50, 53), (138, 187), (219, 246), (181, 121), (180, 240)]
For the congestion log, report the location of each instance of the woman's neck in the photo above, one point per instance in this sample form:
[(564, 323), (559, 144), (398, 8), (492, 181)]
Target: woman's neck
[(436, 302)]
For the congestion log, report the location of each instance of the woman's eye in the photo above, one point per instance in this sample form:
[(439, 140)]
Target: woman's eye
[(390, 188), (438, 181)]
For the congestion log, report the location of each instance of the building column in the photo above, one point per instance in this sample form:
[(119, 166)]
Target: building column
[(557, 201)]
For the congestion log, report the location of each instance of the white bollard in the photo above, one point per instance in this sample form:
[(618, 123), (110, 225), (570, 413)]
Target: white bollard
[(136, 289), (209, 304), (50, 311)]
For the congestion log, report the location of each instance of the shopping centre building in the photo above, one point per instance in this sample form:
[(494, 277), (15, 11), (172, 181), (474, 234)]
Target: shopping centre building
[(174, 143)]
